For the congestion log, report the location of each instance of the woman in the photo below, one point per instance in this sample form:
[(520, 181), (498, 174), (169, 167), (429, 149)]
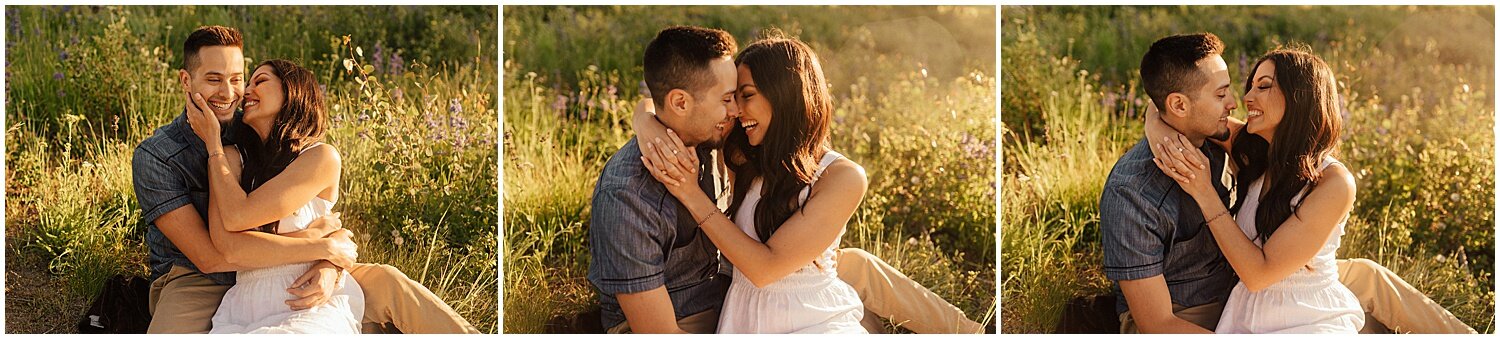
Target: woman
[(1293, 200), (793, 197), (293, 180)]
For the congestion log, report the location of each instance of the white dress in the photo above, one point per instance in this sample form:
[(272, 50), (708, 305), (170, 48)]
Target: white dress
[(811, 300), (1312, 300), (256, 302)]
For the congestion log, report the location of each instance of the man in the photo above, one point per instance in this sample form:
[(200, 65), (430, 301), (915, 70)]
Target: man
[(1170, 275), (654, 270), (190, 275)]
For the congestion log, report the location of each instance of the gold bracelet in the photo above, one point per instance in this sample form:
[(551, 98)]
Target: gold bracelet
[(1216, 217), (709, 216)]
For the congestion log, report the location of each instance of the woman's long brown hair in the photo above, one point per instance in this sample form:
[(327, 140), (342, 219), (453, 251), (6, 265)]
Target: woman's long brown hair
[(786, 73), (303, 120), (1308, 132)]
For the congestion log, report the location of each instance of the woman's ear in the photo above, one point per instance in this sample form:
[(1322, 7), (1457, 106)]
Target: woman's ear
[(1177, 104), (679, 102)]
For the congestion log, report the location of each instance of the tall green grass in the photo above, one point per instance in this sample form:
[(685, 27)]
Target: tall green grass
[(918, 117), (1417, 135), (413, 110)]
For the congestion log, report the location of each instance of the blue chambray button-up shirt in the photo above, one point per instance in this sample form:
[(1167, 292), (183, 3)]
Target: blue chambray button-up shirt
[(642, 238), (1151, 227), (170, 170)]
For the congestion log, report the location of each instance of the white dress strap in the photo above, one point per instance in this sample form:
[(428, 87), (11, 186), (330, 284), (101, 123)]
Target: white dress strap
[(1327, 161), (828, 159), (304, 149)]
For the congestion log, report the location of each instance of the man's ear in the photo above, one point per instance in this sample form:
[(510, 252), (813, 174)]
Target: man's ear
[(182, 79), (679, 102), (1177, 104)]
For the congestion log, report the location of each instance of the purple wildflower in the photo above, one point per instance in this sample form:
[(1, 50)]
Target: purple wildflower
[(458, 122), (378, 55), (560, 104), (57, 76), (974, 147), (454, 106), (427, 118), (397, 65), (62, 55)]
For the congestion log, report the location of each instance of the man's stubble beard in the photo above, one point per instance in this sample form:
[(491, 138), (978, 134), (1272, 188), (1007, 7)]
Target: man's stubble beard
[(1221, 135)]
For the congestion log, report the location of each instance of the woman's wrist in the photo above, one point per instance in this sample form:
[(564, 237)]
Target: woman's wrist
[(1211, 208)]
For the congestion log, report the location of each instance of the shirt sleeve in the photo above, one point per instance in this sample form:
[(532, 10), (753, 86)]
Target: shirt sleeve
[(626, 241), (158, 189), (1131, 228)]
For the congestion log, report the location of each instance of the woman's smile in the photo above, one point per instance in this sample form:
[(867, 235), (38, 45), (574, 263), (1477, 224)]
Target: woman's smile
[(749, 124)]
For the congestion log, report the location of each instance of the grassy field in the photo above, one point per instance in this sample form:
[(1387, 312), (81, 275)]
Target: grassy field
[(412, 97), (1416, 83), (914, 90)]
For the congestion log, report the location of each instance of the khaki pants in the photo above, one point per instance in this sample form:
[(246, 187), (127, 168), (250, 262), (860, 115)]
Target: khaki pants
[(889, 294), (1394, 303), (1391, 305), (184, 301)]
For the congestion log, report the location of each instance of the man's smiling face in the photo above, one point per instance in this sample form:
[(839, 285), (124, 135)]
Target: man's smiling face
[(218, 75)]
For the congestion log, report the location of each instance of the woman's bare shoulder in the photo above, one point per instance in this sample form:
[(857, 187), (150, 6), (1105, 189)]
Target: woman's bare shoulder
[(845, 173), (322, 154)]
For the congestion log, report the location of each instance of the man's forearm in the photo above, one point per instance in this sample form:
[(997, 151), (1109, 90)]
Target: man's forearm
[(1172, 324), (649, 312)]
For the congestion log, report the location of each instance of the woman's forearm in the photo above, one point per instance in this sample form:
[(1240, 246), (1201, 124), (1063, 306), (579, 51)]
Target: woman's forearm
[(645, 125), (758, 261), (1248, 260), (1155, 127), (223, 187), (255, 249)]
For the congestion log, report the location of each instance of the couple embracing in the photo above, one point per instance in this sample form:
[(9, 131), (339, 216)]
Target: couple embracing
[(1212, 224), (238, 194), (725, 212)]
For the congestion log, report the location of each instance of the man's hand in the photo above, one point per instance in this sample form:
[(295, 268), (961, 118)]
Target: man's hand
[(345, 252), (315, 287)]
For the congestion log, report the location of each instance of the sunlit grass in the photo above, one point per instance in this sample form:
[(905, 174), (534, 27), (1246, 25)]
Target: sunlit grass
[(923, 130), (415, 123), (1420, 143)]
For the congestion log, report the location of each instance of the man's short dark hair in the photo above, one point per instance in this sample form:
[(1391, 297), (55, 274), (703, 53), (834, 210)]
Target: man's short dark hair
[(678, 58), (208, 36), (1171, 66)]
